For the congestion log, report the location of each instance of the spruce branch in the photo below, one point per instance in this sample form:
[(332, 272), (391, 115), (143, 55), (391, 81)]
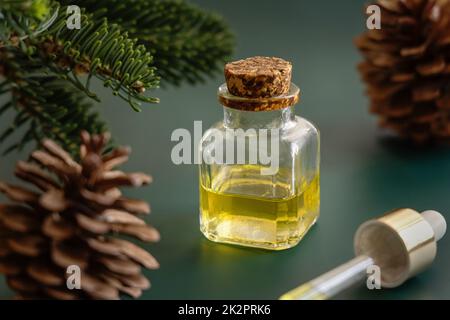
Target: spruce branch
[(187, 43)]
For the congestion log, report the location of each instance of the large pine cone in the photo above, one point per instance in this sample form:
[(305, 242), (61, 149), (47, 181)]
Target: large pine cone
[(74, 220), (407, 68)]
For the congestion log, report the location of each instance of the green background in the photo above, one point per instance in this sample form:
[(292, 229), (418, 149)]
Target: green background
[(364, 171)]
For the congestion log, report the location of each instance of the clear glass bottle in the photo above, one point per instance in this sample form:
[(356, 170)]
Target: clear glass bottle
[(248, 201)]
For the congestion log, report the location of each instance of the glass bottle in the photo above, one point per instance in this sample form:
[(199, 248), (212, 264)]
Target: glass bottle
[(259, 178)]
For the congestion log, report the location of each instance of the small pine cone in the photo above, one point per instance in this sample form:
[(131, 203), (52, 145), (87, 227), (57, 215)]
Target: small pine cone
[(77, 218), (407, 68)]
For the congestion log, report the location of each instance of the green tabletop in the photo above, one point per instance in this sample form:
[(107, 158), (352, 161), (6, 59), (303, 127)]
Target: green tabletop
[(363, 173)]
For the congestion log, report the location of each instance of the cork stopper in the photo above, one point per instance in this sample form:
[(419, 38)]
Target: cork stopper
[(258, 77)]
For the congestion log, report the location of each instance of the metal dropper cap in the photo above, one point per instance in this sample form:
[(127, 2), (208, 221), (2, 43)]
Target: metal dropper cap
[(402, 243)]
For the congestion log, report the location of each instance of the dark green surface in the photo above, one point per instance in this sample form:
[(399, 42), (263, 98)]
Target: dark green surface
[(362, 174)]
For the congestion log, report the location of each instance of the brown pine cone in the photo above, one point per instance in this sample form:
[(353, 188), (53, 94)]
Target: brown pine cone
[(78, 217), (407, 68)]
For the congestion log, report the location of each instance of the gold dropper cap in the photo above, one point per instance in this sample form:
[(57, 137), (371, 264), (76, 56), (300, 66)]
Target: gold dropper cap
[(402, 243)]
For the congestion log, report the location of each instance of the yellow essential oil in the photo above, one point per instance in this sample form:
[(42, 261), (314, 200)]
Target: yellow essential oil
[(258, 220)]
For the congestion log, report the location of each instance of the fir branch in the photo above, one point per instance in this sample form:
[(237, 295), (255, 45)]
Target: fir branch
[(187, 43), (98, 49), (103, 50), (44, 104), (46, 67), (23, 19), (38, 9)]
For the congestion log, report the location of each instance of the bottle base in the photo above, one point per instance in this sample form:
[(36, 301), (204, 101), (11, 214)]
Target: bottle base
[(265, 245)]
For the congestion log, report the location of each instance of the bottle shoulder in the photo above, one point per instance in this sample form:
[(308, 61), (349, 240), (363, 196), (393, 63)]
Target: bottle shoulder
[(297, 129), (302, 125), (297, 123)]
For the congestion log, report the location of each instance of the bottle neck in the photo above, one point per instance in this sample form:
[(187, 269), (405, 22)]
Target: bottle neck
[(234, 118)]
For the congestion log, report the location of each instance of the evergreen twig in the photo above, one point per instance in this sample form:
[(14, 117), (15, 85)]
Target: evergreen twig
[(46, 103), (186, 42), (46, 68)]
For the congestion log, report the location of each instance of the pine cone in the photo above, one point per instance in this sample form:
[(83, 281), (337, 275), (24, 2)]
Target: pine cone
[(75, 219), (407, 68)]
